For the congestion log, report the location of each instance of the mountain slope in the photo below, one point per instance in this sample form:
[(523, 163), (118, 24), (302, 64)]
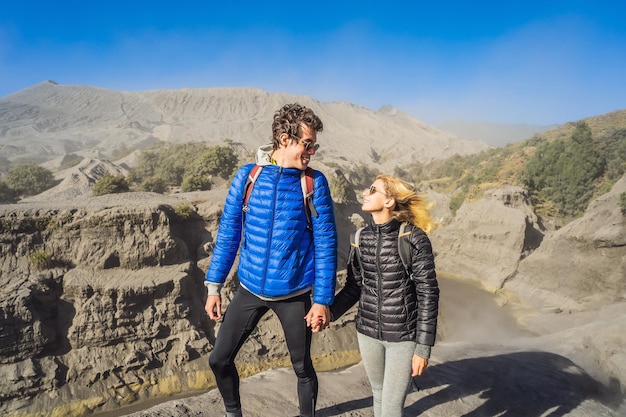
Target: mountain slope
[(48, 120)]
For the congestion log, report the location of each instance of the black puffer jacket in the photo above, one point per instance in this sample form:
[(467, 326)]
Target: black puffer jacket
[(392, 306)]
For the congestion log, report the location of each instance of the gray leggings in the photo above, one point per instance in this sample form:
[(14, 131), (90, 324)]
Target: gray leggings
[(388, 367)]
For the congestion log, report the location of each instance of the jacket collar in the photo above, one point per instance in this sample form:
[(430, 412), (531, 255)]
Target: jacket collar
[(390, 226)]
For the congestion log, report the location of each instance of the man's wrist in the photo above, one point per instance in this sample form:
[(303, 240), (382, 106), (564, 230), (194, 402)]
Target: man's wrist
[(213, 288)]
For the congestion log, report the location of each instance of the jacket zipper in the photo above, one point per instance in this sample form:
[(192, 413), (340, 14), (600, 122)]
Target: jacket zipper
[(270, 231), (379, 277)]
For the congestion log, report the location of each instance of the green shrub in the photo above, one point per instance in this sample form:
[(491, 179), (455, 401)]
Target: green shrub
[(339, 188), (29, 179), (196, 182), (622, 203), (456, 201), (7, 194), (220, 161), (40, 260), (564, 174), (154, 184), (184, 210), (110, 184), (189, 165), (362, 176)]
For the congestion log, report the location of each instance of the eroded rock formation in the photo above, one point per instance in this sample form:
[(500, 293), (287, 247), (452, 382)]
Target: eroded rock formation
[(102, 302)]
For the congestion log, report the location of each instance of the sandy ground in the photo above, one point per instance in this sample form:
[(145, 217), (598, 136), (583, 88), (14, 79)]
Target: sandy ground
[(504, 384), (488, 366)]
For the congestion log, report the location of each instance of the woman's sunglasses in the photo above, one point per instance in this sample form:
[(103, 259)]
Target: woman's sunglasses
[(373, 189)]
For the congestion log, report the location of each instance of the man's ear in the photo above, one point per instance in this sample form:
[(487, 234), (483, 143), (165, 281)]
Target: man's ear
[(283, 139)]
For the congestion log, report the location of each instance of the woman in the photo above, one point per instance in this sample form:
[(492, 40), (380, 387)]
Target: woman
[(396, 320)]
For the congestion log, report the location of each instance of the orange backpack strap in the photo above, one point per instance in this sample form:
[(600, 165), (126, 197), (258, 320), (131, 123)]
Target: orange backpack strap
[(247, 188), (306, 179)]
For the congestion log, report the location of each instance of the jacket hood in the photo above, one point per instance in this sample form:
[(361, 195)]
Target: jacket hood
[(264, 154)]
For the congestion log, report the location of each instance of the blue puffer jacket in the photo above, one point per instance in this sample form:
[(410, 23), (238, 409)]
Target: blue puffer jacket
[(278, 255)]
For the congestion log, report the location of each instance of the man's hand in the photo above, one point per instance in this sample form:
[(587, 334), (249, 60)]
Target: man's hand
[(213, 307), (418, 365), (318, 317)]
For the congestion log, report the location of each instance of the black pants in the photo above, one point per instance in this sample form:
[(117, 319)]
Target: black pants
[(240, 319)]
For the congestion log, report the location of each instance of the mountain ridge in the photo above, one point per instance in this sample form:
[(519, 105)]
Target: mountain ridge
[(48, 120)]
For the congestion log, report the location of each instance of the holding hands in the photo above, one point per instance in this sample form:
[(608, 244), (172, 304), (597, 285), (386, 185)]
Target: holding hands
[(318, 317)]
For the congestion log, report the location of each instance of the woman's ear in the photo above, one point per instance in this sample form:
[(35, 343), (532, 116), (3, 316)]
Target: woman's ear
[(390, 203)]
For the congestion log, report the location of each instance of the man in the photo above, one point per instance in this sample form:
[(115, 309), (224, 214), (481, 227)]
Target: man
[(285, 256)]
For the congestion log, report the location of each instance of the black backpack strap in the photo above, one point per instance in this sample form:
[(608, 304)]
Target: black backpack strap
[(404, 245)]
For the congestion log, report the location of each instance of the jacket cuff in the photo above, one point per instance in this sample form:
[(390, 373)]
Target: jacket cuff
[(423, 351), (213, 288)]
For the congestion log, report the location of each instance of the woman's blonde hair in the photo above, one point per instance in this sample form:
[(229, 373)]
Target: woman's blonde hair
[(410, 206)]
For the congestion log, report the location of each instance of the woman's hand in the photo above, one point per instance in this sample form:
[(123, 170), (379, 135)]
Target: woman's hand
[(318, 317), (418, 365)]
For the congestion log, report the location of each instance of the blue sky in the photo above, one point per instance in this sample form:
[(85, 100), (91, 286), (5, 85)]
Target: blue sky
[(536, 62)]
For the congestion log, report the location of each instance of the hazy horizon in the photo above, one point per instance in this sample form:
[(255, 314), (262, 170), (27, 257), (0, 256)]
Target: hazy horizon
[(536, 63)]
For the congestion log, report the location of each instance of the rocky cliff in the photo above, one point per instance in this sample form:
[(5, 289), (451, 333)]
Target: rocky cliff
[(488, 238), (588, 255), (570, 282), (101, 302), (96, 300)]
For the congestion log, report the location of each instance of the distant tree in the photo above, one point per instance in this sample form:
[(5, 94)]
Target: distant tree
[(29, 179), (613, 150), (110, 184), (176, 162), (171, 162), (362, 176), (456, 201), (7, 194), (146, 166), (196, 182), (563, 174), (340, 188), (220, 161), (5, 165), (153, 184), (374, 155)]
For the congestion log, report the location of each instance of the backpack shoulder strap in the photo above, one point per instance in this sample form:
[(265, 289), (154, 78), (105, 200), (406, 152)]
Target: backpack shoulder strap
[(355, 238), (306, 180), (247, 188), (404, 245)]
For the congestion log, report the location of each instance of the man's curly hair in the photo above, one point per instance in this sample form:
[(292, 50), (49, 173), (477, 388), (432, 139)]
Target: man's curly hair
[(290, 118)]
